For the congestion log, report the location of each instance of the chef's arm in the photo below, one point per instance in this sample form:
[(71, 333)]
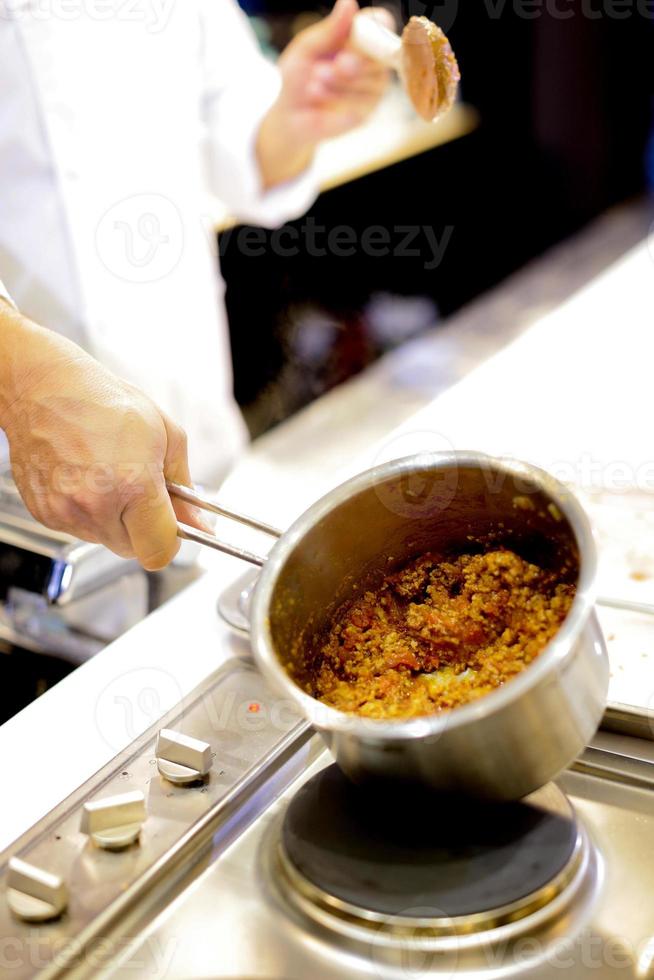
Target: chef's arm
[(263, 122), (89, 453), (327, 89)]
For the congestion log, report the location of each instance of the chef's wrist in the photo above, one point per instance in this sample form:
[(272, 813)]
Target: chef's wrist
[(28, 354), (12, 344), (283, 152)]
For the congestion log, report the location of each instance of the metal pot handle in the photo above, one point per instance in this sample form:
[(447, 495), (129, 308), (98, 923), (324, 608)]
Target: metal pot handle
[(209, 540)]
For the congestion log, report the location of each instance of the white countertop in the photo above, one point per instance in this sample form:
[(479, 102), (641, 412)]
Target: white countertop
[(574, 390)]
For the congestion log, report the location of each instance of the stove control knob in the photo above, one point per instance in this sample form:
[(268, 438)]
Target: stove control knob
[(33, 894), (115, 821), (182, 759)]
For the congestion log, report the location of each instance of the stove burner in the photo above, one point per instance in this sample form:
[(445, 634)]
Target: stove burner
[(371, 855)]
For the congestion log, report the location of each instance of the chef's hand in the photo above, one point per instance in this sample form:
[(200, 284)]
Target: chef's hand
[(89, 453), (327, 89)]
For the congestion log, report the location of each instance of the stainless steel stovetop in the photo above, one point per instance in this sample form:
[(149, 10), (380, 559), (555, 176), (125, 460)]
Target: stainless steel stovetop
[(239, 919), (208, 888), (207, 891)]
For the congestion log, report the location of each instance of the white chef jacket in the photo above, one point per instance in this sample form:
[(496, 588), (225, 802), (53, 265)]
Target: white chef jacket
[(118, 118)]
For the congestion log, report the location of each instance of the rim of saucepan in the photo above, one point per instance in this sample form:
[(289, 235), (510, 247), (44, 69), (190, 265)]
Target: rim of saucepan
[(554, 655)]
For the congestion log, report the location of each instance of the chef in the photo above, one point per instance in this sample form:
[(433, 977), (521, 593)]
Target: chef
[(118, 122)]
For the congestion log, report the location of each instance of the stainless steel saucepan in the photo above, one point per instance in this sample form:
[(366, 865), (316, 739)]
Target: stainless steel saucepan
[(507, 743)]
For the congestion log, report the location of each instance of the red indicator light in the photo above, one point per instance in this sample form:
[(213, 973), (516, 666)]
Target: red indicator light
[(254, 707)]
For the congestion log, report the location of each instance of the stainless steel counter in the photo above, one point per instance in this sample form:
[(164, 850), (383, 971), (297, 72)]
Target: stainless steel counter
[(221, 927)]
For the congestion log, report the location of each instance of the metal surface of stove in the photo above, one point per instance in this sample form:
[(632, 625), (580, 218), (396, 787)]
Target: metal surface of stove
[(239, 919), (217, 885), (130, 829)]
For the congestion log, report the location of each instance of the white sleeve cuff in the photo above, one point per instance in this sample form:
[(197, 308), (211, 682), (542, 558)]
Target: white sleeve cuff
[(236, 178)]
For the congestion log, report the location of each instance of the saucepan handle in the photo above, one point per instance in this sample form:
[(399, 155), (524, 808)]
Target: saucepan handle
[(188, 533)]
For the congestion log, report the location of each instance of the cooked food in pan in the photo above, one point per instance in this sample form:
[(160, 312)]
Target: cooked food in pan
[(438, 633)]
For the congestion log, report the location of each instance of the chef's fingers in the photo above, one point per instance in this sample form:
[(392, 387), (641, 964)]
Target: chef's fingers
[(349, 70), (99, 524), (83, 512), (334, 118), (349, 65), (320, 90), (150, 522), (330, 34), (176, 465), (177, 470), (95, 519), (149, 518)]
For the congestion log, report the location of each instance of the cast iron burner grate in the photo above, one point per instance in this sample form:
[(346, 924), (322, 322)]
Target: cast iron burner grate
[(388, 854)]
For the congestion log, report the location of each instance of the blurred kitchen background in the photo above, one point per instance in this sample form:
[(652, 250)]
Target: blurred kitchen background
[(554, 128)]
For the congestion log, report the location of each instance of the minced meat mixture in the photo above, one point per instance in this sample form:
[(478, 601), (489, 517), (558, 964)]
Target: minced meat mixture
[(439, 633)]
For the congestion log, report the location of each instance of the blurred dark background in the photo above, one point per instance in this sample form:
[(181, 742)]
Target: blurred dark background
[(564, 92)]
